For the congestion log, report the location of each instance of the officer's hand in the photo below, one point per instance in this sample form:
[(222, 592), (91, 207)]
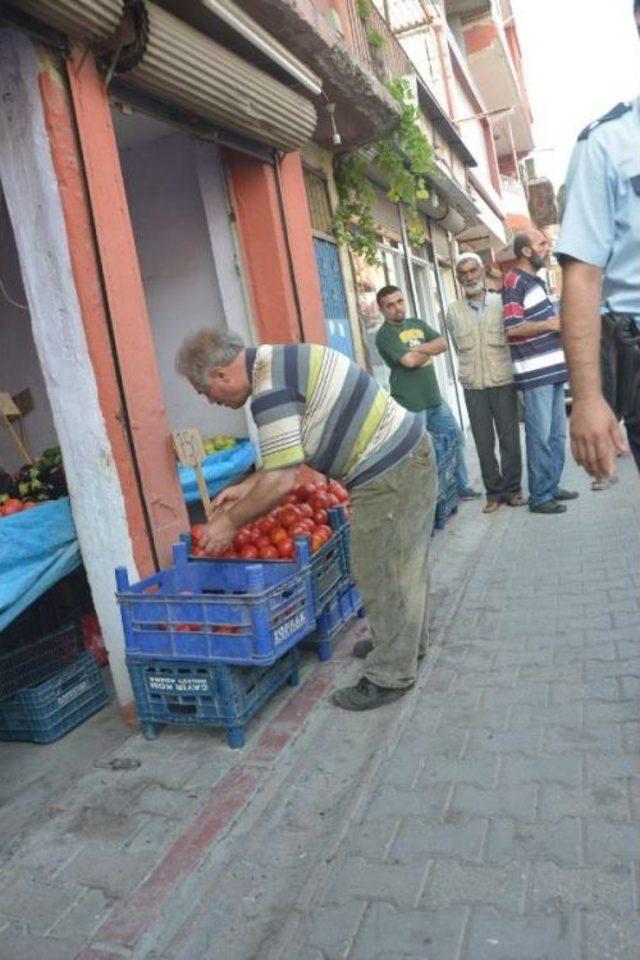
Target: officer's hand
[(596, 438)]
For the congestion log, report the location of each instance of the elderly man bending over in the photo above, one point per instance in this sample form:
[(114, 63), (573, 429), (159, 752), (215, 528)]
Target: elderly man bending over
[(313, 405)]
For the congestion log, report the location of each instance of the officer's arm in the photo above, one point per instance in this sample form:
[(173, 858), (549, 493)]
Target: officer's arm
[(595, 434)]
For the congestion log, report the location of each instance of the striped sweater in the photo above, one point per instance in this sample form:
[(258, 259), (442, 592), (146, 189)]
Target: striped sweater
[(537, 360), (313, 405)]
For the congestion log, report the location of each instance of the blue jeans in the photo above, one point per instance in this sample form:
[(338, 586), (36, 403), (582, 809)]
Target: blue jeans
[(440, 419), (545, 422)]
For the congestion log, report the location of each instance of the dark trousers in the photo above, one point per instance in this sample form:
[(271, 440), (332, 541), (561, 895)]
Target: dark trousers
[(495, 410), (620, 365)]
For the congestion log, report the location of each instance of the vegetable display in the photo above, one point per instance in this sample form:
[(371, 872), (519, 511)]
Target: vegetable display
[(304, 512), (33, 483)]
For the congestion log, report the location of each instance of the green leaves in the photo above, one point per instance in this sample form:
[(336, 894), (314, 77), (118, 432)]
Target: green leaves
[(405, 158)]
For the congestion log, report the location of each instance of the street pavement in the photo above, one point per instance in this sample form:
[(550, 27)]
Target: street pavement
[(493, 812)]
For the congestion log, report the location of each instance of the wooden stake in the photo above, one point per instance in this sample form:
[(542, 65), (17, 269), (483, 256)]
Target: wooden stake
[(16, 439)]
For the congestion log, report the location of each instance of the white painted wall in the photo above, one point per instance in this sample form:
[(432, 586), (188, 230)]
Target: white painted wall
[(31, 190), (19, 364), (180, 278)]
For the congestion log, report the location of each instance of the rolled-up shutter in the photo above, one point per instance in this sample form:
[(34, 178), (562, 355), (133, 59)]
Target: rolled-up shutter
[(186, 68), (90, 20)]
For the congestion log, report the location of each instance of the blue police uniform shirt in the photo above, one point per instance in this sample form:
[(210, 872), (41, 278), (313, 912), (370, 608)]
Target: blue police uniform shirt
[(601, 220)]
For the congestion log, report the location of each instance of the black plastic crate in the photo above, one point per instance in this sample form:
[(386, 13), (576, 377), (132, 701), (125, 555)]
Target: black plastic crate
[(34, 661), (206, 694), (47, 711)]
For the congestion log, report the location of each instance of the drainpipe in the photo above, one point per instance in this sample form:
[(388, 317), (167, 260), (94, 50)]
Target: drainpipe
[(444, 331), (407, 255)]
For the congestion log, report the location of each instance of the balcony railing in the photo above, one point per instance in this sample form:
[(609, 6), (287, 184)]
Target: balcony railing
[(375, 46)]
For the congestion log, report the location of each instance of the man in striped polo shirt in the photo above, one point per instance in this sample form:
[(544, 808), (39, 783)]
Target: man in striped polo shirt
[(313, 405), (539, 370)]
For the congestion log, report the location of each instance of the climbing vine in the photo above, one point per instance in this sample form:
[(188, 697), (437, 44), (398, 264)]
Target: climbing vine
[(405, 158)]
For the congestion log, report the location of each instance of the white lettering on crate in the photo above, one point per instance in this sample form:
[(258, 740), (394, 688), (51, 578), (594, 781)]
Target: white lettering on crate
[(182, 685), (71, 694), (286, 629)]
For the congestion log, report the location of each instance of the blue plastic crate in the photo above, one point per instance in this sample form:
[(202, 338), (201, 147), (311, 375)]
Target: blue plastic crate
[(47, 711), (446, 505), (229, 611), (337, 613), (206, 694), (330, 564), (35, 660)]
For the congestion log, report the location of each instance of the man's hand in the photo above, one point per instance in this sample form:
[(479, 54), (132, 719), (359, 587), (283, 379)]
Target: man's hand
[(218, 533), (596, 438), (228, 496), (552, 325)]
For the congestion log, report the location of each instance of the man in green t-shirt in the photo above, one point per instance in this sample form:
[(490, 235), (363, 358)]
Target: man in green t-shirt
[(408, 346)]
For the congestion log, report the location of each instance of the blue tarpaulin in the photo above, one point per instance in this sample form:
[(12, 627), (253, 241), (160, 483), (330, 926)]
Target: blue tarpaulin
[(37, 548), (220, 470)]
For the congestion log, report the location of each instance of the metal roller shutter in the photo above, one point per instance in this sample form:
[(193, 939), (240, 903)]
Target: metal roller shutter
[(186, 68), (91, 20)]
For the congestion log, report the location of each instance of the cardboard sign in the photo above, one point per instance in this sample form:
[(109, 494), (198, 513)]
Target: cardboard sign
[(190, 452), (188, 446)]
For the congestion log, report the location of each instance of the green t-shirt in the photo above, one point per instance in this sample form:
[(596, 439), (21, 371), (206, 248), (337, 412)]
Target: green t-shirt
[(415, 388)]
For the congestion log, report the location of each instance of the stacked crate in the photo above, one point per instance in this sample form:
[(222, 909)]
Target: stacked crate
[(448, 499), (335, 595), (48, 687), (210, 641)]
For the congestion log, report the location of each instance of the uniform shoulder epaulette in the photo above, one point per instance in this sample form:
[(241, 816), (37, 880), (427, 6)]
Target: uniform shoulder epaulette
[(614, 114)]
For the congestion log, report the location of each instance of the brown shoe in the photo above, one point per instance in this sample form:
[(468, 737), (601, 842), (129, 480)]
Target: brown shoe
[(517, 500), (491, 506)]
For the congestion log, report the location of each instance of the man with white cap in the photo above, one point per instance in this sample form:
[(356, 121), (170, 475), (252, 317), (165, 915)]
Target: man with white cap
[(485, 371)]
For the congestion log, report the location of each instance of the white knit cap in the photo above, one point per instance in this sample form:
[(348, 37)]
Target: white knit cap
[(469, 255)]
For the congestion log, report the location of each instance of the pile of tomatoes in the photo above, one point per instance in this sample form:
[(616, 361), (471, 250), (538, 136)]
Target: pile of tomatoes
[(10, 505), (303, 513)]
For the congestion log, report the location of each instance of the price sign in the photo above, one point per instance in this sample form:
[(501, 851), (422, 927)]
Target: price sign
[(188, 446), (190, 452)]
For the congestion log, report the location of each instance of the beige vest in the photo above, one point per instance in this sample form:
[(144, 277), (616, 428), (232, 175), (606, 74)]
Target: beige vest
[(484, 358)]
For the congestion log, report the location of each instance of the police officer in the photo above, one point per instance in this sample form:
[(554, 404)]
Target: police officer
[(599, 249)]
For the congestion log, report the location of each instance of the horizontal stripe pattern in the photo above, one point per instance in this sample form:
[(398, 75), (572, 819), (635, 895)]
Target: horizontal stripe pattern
[(312, 404), (538, 359)]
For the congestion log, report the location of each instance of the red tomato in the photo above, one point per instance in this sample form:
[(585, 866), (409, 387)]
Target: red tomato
[(12, 506), (263, 541), (289, 516), (308, 524), (242, 538), (266, 525), (299, 530), (304, 510), (249, 552), (290, 498), (196, 531), (286, 548), (254, 535), (333, 500), (278, 535), (319, 502), (30, 504), (269, 553), (308, 490), (320, 517), (323, 531), (316, 543)]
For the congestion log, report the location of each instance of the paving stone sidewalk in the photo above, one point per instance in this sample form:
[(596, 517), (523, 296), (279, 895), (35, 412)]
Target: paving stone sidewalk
[(505, 823), (491, 813)]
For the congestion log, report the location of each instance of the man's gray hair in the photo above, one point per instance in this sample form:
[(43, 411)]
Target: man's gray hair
[(204, 350)]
